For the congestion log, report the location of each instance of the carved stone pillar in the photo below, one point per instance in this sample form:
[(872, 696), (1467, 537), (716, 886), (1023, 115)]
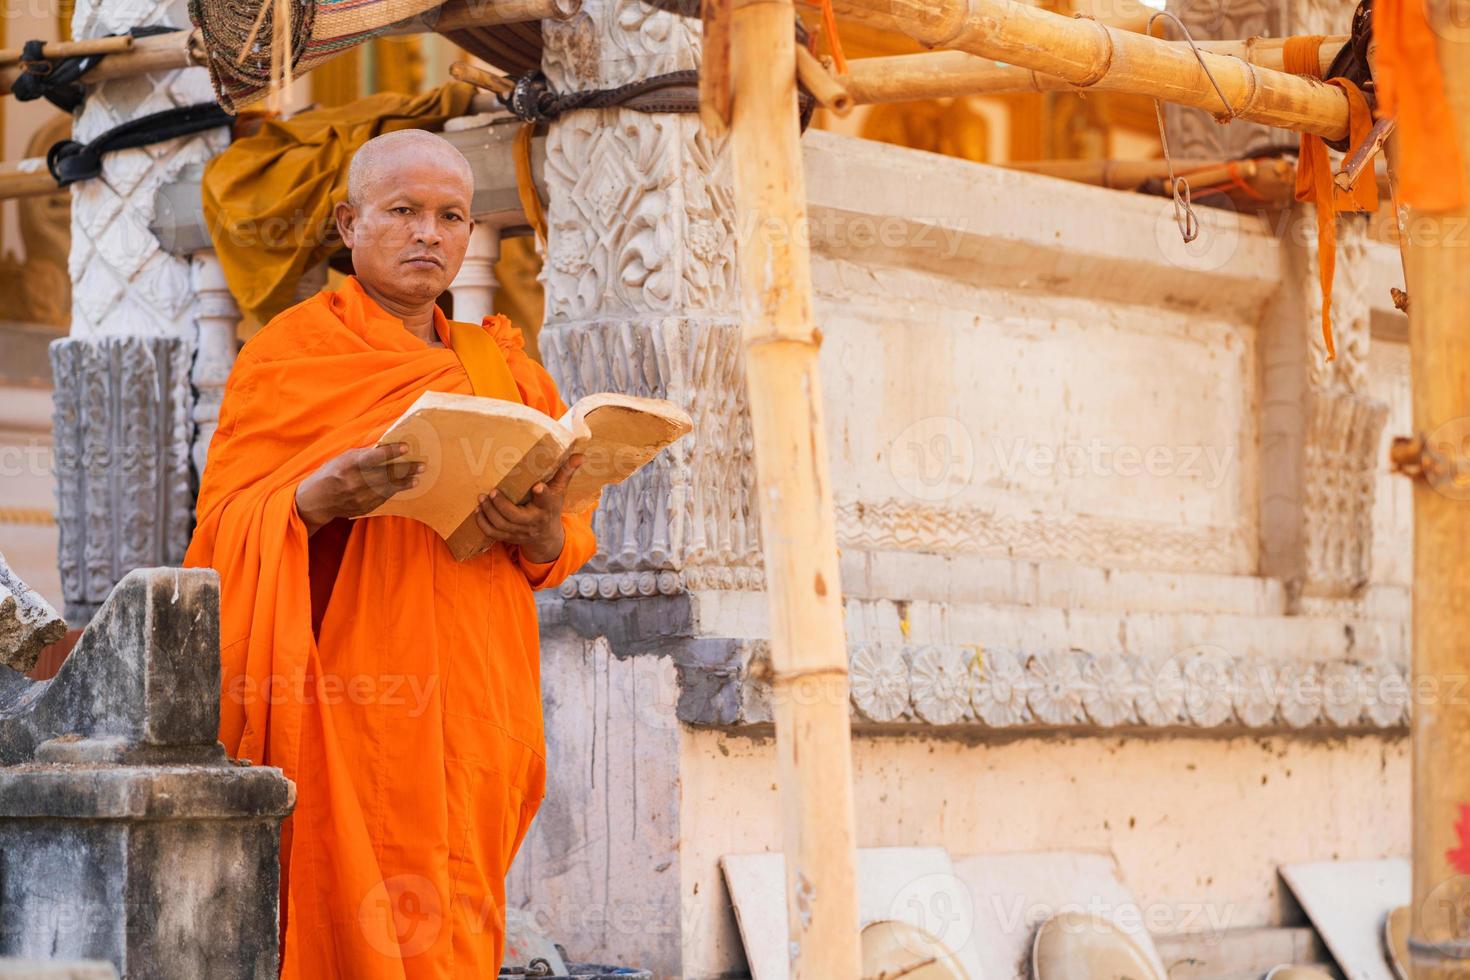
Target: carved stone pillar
[(1319, 426), (124, 433), (216, 318), (641, 298), (126, 375)]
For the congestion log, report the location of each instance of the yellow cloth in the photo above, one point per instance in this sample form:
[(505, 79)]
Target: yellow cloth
[(474, 344), (268, 199)]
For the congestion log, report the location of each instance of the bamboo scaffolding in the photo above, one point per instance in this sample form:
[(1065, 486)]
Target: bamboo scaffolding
[(480, 78), (26, 178), (830, 92), (159, 52), (798, 526), (1437, 274), (946, 74), (69, 49), (1084, 53)]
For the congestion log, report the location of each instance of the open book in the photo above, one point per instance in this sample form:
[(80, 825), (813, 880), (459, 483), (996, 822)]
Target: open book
[(473, 445)]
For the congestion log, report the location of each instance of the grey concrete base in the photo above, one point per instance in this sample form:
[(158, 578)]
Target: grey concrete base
[(56, 970)]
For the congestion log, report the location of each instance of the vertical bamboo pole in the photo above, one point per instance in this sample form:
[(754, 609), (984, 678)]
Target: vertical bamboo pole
[(1437, 270), (808, 647)]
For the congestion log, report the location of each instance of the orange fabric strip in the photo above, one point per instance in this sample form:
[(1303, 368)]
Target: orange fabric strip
[(1314, 172), (1410, 88), (829, 21)]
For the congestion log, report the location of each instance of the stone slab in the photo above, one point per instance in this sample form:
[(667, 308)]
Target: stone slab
[(917, 885), (1348, 902)]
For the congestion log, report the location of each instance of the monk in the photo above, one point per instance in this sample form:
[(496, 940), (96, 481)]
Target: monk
[(398, 688)]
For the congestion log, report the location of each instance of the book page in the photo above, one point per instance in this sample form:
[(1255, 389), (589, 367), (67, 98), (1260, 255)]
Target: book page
[(470, 445), (616, 435)]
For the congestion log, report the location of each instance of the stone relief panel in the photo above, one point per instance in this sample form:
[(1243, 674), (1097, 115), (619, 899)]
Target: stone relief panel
[(641, 298), (688, 520), (614, 42), (124, 431), (997, 691)]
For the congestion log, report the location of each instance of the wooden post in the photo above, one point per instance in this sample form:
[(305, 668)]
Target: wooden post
[(945, 74), (1437, 273), (798, 527), (160, 52), (1084, 52)]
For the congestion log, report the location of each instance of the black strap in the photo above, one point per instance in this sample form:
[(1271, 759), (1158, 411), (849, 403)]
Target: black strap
[(677, 91), (59, 80), (70, 161)]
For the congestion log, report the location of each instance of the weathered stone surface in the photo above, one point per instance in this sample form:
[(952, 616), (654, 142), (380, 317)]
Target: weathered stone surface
[(13, 969), (145, 673), (27, 622), (124, 487), (126, 834)]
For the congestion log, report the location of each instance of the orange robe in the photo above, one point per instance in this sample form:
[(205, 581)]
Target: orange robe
[(410, 719)]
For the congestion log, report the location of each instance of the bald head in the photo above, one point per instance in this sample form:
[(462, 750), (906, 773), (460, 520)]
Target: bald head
[(382, 157), (407, 217)]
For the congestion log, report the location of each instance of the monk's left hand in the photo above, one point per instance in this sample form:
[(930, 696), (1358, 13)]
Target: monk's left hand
[(535, 526)]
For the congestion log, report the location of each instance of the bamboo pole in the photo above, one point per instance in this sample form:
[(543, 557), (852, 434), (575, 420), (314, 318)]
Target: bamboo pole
[(1084, 52), (72, 49), (480, 78), (159, 52), (947, 74), (1437, 273), (27, 178), (715, 95), (798, 527), (829, 92)]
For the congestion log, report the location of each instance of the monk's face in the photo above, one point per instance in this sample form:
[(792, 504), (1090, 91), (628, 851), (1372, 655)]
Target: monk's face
[(409, 229)]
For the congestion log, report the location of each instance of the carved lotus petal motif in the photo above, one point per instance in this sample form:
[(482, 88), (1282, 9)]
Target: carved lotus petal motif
[(878, 681), (1108, 690), (1055, 693), (1160, 696), (1301, 694), (1207, 683), (998, 693), (939, 683), (1386, 695), (1256, 686), (1343, 693)]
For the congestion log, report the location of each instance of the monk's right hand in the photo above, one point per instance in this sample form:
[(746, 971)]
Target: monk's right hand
[(354, 483)]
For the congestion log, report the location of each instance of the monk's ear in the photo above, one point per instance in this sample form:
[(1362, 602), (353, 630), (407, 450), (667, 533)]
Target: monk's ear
[(346, 217)]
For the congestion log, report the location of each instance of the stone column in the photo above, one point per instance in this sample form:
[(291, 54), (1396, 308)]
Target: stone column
[(1320, 428), (474, 288), (134, 319), (640, 298), (216, 318)]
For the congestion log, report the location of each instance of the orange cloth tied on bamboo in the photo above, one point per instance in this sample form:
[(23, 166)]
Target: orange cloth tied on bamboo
[(1314, 181), (410, 717), (268, 198), (1429, 171)]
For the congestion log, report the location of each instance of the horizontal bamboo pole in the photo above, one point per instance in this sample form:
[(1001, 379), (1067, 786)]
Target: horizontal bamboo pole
[(159, 52), (948, 74), (829, 92), (1084, 52), (480, 78), (27, 178), (72, 49)]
